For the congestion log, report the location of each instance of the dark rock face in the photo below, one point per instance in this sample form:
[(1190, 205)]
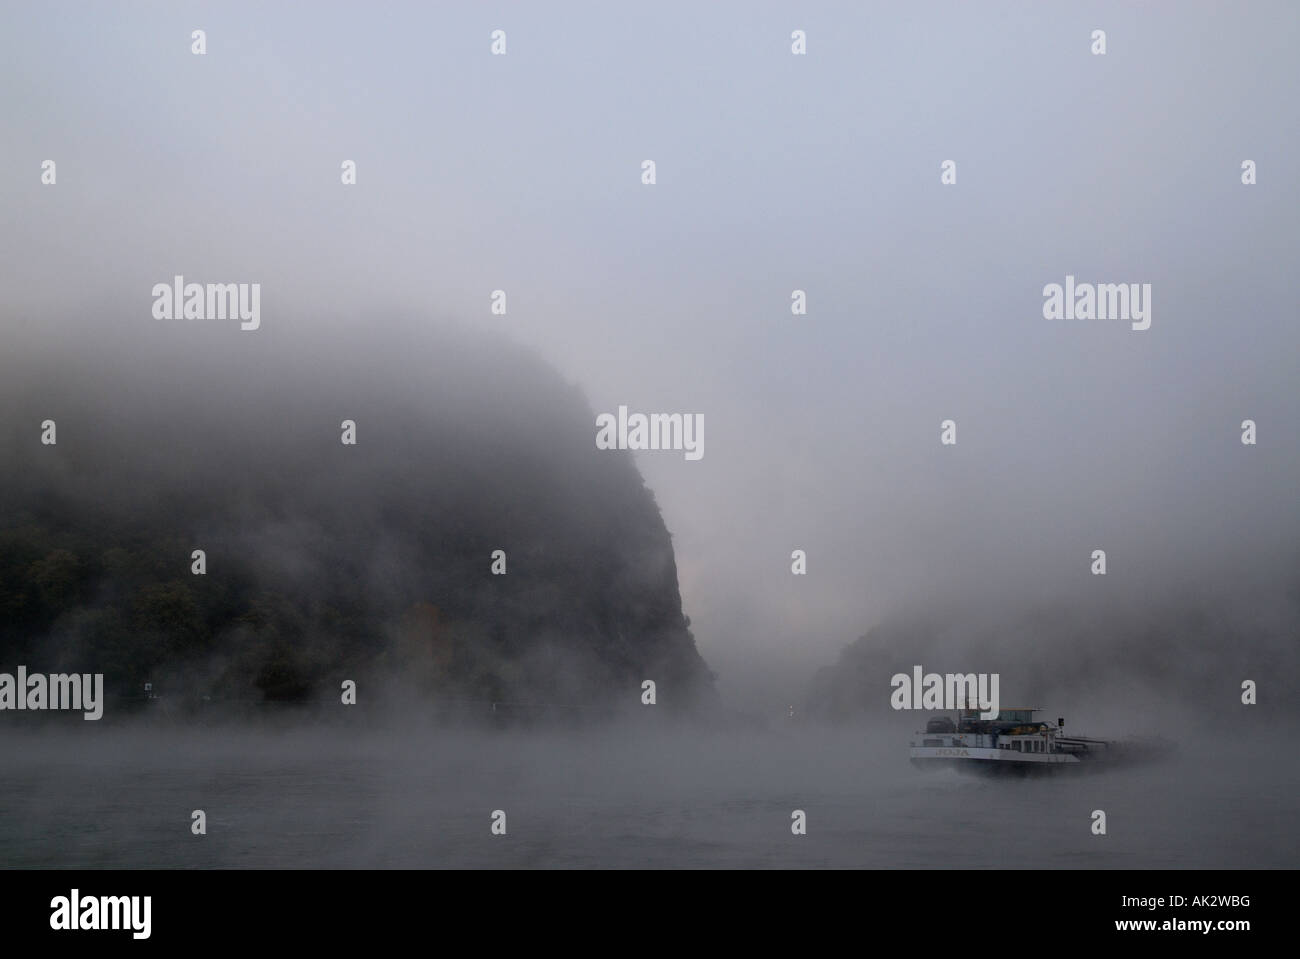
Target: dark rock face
[(327, 561)]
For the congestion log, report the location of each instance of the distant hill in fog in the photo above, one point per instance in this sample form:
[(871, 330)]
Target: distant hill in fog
[(324, 561), (1190, 652)]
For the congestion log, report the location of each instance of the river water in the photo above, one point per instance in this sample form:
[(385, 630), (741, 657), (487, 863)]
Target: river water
[(616, 797)]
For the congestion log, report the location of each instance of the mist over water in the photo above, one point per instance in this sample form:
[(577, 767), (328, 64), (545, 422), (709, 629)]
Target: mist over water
[(621, 797), (520, 174)]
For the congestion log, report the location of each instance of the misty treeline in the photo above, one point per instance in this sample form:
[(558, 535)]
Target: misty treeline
[(325, 561)]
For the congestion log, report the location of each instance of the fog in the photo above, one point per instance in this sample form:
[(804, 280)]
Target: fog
[(625, 796), (522, 173)]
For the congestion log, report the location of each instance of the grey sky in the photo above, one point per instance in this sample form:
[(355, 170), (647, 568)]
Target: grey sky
[(775, 172)]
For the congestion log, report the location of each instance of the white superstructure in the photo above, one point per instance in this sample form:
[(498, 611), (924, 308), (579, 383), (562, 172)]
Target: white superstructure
[(1012, 741)]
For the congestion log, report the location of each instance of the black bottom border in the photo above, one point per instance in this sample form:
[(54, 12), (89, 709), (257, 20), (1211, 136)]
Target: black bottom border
[(980, 910)]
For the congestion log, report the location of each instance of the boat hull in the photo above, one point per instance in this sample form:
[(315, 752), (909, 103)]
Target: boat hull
[(985, 760)]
